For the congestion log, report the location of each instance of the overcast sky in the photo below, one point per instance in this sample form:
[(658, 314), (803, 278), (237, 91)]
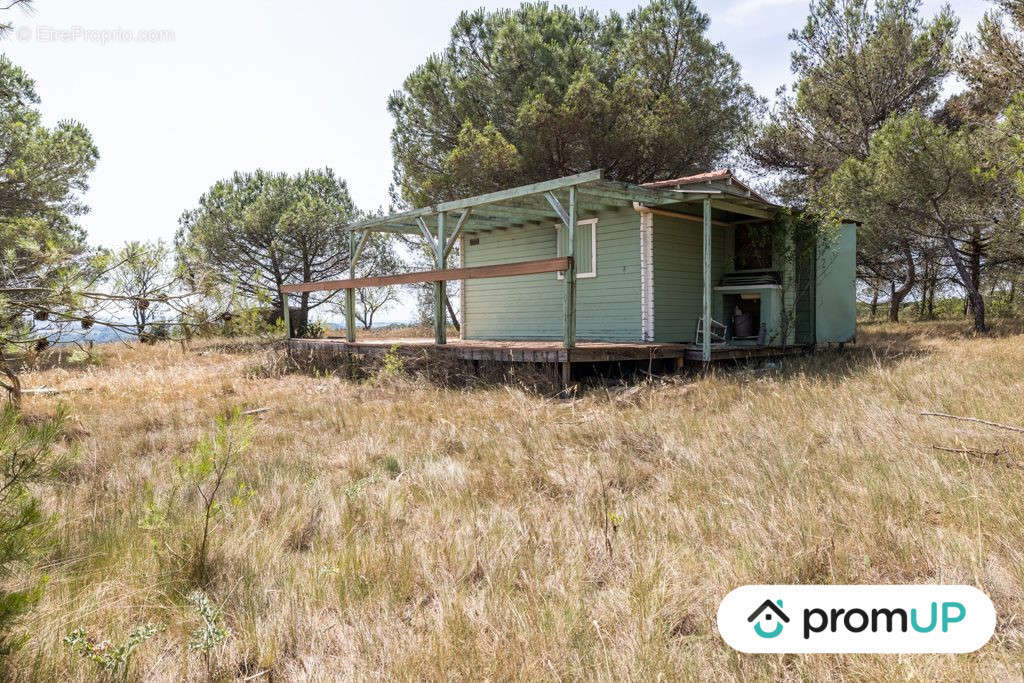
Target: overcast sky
[(180, 94)]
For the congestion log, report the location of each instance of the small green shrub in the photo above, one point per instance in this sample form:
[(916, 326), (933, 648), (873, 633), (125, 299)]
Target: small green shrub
[(112, 660), (315, 330), (208, 636), (207, 490), (394, 364)]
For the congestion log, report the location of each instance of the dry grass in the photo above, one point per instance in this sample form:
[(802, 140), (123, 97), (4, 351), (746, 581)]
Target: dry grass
[(406, 530)]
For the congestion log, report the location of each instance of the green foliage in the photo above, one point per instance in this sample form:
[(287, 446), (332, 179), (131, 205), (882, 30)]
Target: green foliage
[(211, 633), (393, 364), (206, 492), (857, 63), (27, 457), (44, 171), (207, 473), (112, 659), (254, 232), (544, 91), (315, 330), (942, 185), (251, 321), (143, 275), (794, 237), (916, 168), (992, 63)]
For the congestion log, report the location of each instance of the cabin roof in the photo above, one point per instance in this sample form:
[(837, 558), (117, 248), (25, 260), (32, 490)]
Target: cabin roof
[(722, 176), (544, 202)]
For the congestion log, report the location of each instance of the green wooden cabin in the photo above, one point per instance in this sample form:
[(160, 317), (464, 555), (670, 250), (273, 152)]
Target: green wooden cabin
[(639, 276), (590, 259)]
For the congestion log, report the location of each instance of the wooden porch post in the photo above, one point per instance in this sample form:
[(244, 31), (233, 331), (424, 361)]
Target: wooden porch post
[(706, 339), (569, 306), (350, 294), (286, 316), (440, 314)]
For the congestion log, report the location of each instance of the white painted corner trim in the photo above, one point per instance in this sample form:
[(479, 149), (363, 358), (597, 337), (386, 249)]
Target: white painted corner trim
[(647, 274)]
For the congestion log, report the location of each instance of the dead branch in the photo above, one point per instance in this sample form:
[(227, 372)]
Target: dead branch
[(255, 411), (47, 391), (989, 456), (1011, 428)]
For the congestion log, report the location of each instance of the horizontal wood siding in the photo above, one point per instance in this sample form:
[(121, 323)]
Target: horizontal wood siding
[(608, 306), (678, 275)]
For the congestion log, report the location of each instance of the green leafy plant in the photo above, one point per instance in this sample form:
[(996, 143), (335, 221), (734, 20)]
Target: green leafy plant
[(207, 637), (394, 364), (206, 490), (207, 473), (315, 330), (112, 659)]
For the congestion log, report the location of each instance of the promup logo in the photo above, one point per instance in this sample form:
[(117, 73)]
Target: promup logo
[(764, 615), (856, 619)]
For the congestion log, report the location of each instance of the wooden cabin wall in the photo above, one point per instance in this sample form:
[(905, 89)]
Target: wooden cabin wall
[(678, 275), (608, 307)]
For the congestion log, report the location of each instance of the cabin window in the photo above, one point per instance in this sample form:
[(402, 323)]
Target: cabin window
[(585, 247), (753, 248)]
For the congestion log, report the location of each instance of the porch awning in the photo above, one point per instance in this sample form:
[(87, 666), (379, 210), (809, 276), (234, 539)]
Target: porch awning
[(541, 203)]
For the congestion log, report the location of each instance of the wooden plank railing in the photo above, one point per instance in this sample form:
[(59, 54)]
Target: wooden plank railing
[(550, 265)]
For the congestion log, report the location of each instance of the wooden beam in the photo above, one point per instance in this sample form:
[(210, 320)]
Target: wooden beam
[(458, 231), (427, 237), (551, 265), (743, 209), (521, 212), (359, 249), (559, 209), (677, 214), (625, 192), (480, 200)]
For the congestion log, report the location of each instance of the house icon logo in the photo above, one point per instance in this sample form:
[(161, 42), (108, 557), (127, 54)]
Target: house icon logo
[(769, 619)]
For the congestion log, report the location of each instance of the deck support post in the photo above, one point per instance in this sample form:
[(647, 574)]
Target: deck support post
[(350, 294), (440, 313), (706, 337), (355, 250), (286, 316)]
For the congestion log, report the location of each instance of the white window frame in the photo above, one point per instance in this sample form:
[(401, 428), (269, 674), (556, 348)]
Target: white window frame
[(592, 222)]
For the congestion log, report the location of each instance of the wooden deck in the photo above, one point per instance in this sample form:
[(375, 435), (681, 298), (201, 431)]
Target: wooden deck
[(535, 351)]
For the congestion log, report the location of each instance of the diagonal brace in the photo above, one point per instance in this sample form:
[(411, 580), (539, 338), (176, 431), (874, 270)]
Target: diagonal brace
[(425, 231), (557, 206), (458, 231)]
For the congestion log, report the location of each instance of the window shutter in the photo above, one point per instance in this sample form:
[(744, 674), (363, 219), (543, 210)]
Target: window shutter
[(585, 248)]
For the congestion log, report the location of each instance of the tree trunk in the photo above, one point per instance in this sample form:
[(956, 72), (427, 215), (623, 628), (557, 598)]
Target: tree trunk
[(14, 388), (975, 298), (451, 312), (923, 302), (899, 294), (931, 296)]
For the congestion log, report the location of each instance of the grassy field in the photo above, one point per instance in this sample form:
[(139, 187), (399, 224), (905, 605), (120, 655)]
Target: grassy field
[(393, 528)]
